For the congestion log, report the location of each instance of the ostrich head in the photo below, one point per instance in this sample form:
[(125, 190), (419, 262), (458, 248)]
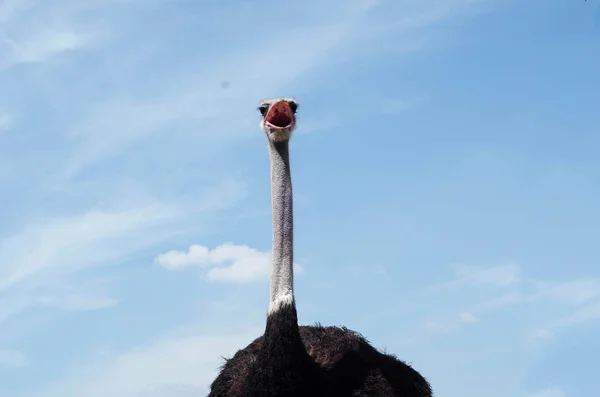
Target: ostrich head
[(278, 118)]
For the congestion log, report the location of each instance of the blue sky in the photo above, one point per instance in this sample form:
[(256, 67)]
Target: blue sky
[(445, 171)]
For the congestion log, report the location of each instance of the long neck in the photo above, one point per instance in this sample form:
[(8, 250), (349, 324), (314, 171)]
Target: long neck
[(285, 366), (282, 274)]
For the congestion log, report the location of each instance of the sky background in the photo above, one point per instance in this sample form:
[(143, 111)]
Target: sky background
[(445, 172)]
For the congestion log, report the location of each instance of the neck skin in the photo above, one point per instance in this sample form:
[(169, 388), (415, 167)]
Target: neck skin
[(282, 274)]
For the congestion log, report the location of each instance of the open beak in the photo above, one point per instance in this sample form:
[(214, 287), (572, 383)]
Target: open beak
[(280, 115)]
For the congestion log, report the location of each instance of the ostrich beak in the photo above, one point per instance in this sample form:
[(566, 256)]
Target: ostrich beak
[(280, 115)]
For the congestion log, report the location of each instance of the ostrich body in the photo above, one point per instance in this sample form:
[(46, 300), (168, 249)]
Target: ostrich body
[(304, 361)]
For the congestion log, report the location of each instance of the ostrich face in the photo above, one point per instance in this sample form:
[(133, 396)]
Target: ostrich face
[(278, 118)]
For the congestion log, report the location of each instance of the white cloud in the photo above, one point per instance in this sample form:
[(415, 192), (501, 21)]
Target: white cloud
[(197, 255), (227, 262), (467, 318), (13, 358)]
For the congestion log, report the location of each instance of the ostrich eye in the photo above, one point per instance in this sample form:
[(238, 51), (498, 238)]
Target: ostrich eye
[(293, 106), (263, 109)]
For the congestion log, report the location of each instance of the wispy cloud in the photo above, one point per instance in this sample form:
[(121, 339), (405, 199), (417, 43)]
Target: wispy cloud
[(33, 31), (571, 292), (528, 314), (575, 291), (42, 46), (110, 126), (38, 262), (226, 263), (75, 242), (501, 276), (493, 289), (128, 108), (43, 264), (182, 363), (481, 276), (64, 293), (586, 313)]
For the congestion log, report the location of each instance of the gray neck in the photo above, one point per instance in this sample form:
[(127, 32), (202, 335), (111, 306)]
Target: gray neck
[(282, 274)]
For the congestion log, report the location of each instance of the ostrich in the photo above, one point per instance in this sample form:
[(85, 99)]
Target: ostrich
[(297, 361)]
